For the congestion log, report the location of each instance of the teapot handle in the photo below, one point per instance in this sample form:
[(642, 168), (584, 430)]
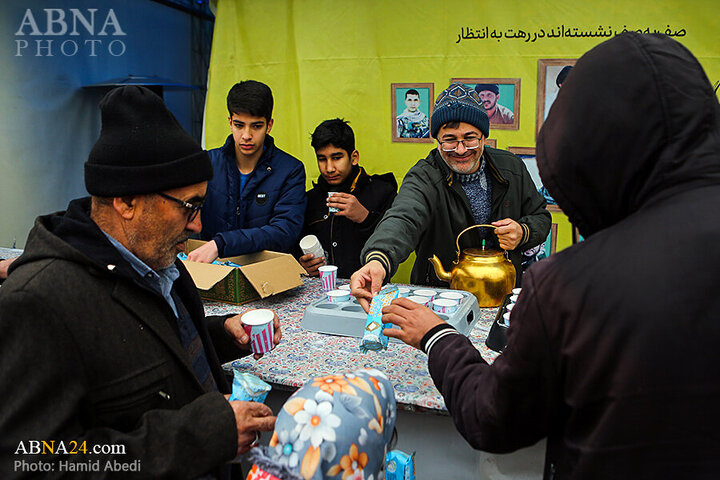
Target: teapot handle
[(457, 240)]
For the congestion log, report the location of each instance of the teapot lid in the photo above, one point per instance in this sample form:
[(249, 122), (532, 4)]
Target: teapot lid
[(482, 252)]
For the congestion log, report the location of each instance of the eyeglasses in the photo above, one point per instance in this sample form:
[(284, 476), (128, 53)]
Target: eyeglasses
[(468, 143), (194, 208)]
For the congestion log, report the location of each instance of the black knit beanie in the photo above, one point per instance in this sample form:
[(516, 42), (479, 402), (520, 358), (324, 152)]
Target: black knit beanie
[(142, 148), (459, 103)]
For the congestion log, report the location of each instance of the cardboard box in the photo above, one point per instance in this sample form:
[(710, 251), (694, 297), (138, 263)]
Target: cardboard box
[(261, 274)]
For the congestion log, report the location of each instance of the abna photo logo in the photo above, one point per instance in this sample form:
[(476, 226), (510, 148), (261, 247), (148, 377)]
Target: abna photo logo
[(69, 30)]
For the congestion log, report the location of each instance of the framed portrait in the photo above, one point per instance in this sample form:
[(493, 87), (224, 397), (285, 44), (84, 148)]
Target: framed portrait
[(551, 72), (527, 155), (501, 99), (411, 110), (491, 142)]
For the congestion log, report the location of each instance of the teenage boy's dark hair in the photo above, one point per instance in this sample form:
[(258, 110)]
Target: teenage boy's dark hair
[(251, 97), (335, 132), (412, 91)]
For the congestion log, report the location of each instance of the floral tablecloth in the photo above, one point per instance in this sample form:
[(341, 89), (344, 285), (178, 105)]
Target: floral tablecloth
[(9, 252), (302, 354)]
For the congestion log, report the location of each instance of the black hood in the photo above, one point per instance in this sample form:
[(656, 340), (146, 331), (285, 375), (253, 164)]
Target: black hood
[(636, 121)]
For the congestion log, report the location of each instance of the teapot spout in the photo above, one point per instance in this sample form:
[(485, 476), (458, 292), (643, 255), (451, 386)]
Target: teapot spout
[(439, 270)]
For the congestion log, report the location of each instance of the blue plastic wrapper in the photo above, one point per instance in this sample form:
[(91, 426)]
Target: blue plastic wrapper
[(373, 337), (248, 388), (183, 256), (400, 465)]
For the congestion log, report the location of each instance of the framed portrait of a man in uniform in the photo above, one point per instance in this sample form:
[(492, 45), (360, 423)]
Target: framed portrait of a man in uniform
[(411, 110)]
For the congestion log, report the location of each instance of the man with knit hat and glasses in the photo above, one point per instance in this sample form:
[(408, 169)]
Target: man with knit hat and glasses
[(106, 350), (461, 183)]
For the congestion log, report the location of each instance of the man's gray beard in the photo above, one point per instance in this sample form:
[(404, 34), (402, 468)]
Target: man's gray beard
[(479, 162)]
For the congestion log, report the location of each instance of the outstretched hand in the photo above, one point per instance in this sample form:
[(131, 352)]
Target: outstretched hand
[(414, 320), (206, 253), (367, 282)]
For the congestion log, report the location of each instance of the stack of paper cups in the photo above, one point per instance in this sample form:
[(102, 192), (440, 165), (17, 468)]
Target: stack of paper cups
[(311, 244), (328, 275)]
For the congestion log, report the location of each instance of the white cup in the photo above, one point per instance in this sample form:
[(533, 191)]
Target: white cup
[(403, 292), (419, 299), (338, 296), (328, 275), (516, 291), (258, 325), (513, 298), (509, 306), (344, 287), (454, 296), (311, 244), (506, 318), (430, 294), (444, 305), (332, 209)]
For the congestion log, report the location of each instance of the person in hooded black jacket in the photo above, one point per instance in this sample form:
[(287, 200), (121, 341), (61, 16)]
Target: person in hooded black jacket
[(612, 349), (360, 200)]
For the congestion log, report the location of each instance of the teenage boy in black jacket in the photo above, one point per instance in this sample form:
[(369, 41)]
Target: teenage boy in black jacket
[(360, 200)]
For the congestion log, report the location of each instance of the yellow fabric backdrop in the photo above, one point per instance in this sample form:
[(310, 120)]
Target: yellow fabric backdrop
[(338, 58)]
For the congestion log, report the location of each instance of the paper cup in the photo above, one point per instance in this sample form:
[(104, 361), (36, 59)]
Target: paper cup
[(338, 296), (332, 209), (258, 325), (328, 275), (311, 244), (419, 299), (513, 298), (403, 292), (455, 296), (429, 294), (444, 305), (344, 287), (516, 291), (509, 306), (506, 318)]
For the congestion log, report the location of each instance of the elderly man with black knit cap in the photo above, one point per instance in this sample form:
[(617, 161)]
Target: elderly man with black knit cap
[(106, 351), (461, 183)]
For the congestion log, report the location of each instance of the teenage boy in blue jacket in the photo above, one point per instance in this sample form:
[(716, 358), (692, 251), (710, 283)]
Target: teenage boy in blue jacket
[(256, 198)]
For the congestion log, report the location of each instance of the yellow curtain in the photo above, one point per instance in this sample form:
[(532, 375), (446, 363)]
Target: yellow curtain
[(338, 58)]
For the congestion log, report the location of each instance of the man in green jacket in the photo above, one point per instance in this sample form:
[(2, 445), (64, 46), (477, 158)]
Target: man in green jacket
[(461, 183)]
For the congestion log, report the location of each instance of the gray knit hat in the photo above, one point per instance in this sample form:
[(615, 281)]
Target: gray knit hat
[(142, 148), (459, 103)]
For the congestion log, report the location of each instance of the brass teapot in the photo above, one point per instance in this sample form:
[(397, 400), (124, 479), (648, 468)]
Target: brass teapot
[(485, 272)]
